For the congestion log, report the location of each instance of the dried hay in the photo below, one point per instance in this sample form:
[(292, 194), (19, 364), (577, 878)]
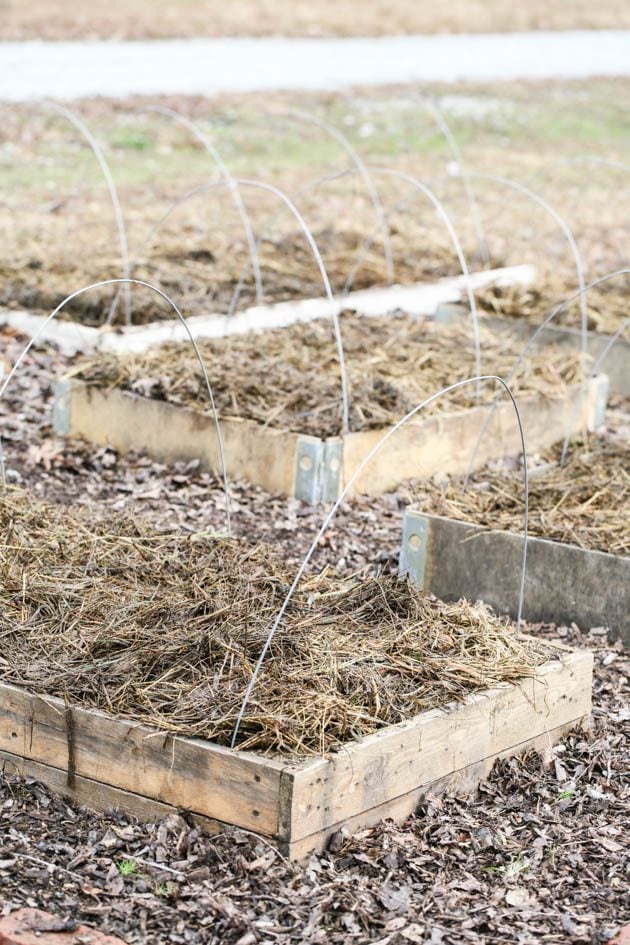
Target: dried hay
[(165, 629), (201, 276), (585, 502), (607, 305)]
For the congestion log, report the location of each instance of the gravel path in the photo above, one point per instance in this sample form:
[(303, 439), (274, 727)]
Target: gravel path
[(70, 70)]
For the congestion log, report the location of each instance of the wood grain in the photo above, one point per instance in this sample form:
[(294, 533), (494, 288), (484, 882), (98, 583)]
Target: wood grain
[(563, 582), (169, 433), (98, 796), (461, 782), (238, 788), (444, 443), (438, 743)]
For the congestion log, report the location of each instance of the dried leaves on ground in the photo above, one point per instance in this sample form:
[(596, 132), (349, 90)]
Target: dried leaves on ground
[(178, 497), (290, 378), (538, 854)]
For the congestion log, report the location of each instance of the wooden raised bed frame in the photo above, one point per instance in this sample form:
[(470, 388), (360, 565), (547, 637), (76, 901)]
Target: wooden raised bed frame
[(314, 469), (101, 761), (563, 582)]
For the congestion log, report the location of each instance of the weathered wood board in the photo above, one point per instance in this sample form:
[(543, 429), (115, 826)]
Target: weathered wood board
[(563, 583), (101, 761), (310, 468), (616, 362)]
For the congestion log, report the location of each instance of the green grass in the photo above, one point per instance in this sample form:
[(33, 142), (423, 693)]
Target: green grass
[(508, 124)]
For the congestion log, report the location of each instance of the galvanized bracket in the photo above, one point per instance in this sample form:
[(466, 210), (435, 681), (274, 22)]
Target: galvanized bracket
[(413, 552), (61, 407), (601, 400), (449, 313), (318, 469), (308, 460)]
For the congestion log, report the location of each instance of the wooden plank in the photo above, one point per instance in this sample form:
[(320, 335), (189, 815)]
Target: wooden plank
[(563, 583), (117, 763), (170, 433), (444, 443), (98, 796), (239, 788), (70, 337), (460, 782), (400, 758)]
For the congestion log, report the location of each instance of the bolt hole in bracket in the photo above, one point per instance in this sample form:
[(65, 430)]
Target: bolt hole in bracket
[(318, 469)]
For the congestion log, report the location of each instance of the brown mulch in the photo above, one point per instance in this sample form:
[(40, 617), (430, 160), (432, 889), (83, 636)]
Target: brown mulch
[(537, 855), (290, 378)]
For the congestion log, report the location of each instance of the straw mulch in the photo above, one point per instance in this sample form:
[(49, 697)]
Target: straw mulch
[(289, 378), (607, 305), (585, 502), (166, 629), (201, 276)]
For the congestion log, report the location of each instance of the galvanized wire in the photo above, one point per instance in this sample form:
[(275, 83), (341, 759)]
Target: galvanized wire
[(462, 171), (556, 311), (113, 193), (329, 516), (163, 295), (239, 203), (334, 306), (566, 230), (594, 371), (363, 171)]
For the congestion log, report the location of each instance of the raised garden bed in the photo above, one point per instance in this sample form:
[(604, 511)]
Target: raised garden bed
[(578, 551), (126, 653), (279, 400), (421, 298), (501, 312)]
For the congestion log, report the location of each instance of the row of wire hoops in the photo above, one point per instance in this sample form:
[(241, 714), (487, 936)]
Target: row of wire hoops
[(235, 185)]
